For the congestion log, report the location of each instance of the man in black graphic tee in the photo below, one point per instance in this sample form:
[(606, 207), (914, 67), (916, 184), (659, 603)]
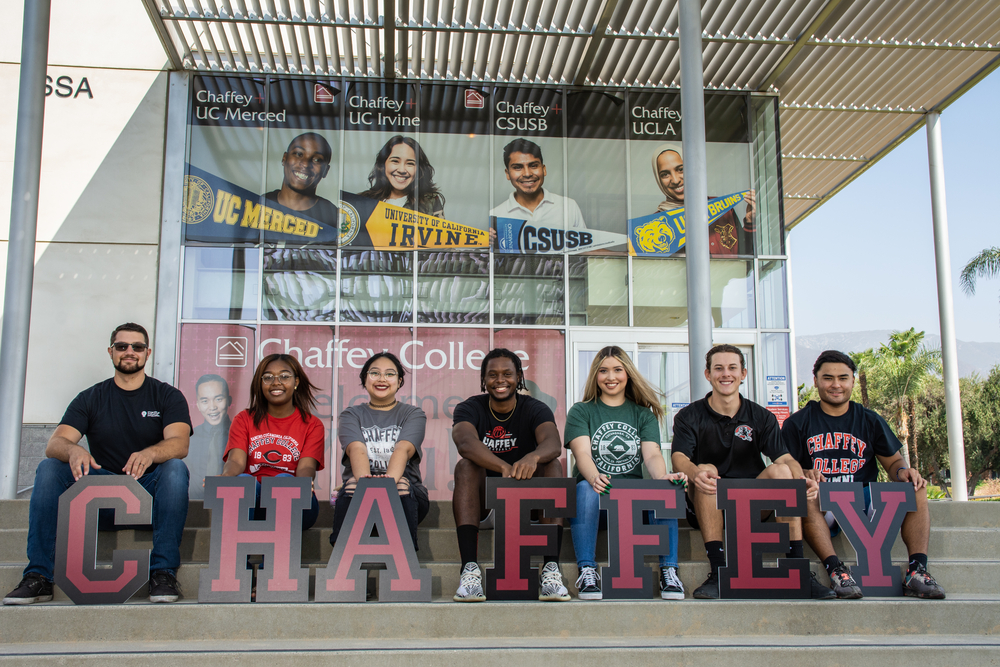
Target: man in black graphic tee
[(725, 436), (135, 425), (837, 440), (501, 433)]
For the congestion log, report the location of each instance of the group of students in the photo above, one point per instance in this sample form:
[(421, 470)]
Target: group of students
[(613, 433)]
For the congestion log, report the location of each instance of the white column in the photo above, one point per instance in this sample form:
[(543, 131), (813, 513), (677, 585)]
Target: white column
[(946, 309)]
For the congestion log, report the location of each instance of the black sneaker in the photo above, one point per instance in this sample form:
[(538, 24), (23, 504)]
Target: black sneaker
[(918, 583), (588, 585), (710, 589), (671, 587), (163, 587), (818, 591), (33, 588)]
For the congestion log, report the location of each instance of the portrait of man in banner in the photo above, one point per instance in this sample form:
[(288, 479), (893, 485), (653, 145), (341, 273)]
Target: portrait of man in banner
[(208, 442), (304, 164), (525, 169)]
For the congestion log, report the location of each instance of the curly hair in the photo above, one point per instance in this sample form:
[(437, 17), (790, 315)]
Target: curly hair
[(302, 397), (422, 194), (502, 353)]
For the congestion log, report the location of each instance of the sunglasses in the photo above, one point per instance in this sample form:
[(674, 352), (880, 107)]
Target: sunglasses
[(136, 347)]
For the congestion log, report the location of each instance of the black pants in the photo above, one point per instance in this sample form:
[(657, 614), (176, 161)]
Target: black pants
[(415, 508)]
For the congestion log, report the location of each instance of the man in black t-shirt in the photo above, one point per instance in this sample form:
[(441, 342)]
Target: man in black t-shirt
[(135, 425), (305, 163), (501, 433), (837, 440), (724, 436)]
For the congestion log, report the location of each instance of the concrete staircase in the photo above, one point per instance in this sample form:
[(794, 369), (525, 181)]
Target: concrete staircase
[(964, 629)]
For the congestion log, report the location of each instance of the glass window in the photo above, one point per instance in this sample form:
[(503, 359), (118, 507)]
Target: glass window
[(660, 292), (453, 287), (220, 283), (668, 371), (300, 284), (376, 286), (733, 294), (529, 289), (773, 295), (766, 168), (598, 291)]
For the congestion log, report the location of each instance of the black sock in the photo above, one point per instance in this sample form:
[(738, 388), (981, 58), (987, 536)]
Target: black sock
[(915, 560), (716, 555), (831, 564), (795, 549), (559, 538), (468, 543)]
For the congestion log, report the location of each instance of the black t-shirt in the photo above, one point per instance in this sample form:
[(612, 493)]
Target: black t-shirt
[(512, 438), (118, 423), (842, 448), (732, 444)]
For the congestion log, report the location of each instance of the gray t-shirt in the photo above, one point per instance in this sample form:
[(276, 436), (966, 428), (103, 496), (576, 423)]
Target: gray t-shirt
[(380, 430)]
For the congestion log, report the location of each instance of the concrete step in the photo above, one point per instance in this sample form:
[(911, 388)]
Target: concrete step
[(952, 650), (532, 622), (956, 577)]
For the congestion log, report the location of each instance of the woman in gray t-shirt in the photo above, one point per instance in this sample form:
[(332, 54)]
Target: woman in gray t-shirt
[(382, 438)]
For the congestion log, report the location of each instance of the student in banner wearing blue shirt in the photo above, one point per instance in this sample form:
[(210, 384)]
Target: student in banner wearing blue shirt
[(837, 440), (525, 169)]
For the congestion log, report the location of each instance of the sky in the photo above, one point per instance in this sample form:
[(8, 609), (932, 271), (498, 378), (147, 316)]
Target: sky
[(874, 241)]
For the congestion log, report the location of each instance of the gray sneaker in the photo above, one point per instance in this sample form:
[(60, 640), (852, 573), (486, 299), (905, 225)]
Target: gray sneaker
[(844, 585), (163, 587), (470, 586), (551, 587), (920, 584), (33, 588)]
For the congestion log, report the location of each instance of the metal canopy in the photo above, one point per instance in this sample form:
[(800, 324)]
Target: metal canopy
[(855, 77)]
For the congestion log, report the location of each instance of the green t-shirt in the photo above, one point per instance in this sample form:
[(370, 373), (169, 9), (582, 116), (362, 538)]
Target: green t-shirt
[(616, 434)]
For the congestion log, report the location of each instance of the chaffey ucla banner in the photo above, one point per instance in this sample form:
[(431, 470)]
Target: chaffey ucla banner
[(665, 232)]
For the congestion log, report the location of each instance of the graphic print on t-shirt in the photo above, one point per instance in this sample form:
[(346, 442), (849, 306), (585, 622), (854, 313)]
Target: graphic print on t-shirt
[(500, 440), (380, 442), (273, 451), (617, 448), (837, 455)]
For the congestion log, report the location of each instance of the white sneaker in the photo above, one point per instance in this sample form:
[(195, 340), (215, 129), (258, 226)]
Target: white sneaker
[(551, 584), (588, 584), (671, 587), (470, 586)]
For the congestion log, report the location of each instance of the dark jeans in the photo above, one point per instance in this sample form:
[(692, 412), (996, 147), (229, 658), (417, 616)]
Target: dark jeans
[(168, 484), (309, 516)]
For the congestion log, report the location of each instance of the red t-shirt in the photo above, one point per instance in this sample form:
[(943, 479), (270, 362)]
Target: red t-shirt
[(278, 444)]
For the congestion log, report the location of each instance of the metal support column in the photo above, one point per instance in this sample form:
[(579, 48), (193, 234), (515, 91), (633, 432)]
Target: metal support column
[(21, 247), (699, 280), (946, 309)]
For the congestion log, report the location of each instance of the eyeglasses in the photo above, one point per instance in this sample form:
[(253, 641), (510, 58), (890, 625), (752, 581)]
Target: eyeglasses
[(268, 378), (136, 347), (388, 375)]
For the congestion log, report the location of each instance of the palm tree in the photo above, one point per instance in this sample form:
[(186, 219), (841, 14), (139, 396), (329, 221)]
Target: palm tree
[(986, 264)]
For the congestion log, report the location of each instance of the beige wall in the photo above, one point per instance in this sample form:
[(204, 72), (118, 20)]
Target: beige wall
[(99, 198)]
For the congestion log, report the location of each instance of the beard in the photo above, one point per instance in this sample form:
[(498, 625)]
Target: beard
[(124, 370)]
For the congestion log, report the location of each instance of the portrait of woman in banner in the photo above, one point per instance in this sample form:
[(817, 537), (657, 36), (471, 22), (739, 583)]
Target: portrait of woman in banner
[(728, 235), (403, 176)]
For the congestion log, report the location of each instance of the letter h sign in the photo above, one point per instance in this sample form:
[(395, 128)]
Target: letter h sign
[(235, 536)]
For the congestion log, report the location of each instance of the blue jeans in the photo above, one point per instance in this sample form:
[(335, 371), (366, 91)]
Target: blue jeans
[(168, 484), (589, 518), (309, 516)]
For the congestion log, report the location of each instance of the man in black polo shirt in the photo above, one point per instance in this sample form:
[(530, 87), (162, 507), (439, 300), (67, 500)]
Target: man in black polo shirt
[(836, 440), (723, 436), (135, 425), (501, 433)]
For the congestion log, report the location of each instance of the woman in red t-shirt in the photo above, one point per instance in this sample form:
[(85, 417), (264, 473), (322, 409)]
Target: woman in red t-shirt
[(278, 436)]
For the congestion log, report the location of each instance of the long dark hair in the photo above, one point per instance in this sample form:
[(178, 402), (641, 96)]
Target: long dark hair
[(302, 396), (422, 184), (383, 355)]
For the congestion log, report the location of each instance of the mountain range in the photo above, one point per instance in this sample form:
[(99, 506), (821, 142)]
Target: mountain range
[(976, 358)]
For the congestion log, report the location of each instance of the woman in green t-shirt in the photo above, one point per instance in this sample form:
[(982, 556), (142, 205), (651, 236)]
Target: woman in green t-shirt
[(612, 432)]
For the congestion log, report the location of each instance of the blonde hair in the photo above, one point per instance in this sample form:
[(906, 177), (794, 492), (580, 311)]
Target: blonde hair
[(637, 389)]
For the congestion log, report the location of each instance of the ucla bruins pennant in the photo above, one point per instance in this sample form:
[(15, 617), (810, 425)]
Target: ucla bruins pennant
[(664, 232)]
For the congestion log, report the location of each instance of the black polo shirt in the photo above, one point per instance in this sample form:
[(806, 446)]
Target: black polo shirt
[(734, 445)]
